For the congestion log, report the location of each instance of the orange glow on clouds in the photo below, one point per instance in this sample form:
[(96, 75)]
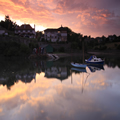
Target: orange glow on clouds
[(85, 17)]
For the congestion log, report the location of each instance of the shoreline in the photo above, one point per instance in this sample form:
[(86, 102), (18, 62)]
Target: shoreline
[(73, 54)]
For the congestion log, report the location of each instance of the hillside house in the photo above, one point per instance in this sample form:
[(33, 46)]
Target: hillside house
[(3, 31), (25, 30), (55, 35)]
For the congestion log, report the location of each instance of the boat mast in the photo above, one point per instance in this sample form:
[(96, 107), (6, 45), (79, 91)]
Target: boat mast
[(83, 48)]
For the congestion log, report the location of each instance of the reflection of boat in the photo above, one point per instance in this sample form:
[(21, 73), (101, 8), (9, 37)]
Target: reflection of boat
[(82, 71), (94, 60), (94, 68), (79, 70), (52, 57), (78, 65)]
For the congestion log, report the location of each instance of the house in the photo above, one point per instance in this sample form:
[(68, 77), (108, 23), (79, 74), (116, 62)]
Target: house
[(25, 30), (3, 31), (99, 39), (111, 38), (55, 35)]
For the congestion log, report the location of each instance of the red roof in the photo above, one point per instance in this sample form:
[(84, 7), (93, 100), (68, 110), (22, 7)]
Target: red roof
[(25, 27)]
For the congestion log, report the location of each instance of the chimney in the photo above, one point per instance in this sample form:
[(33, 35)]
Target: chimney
[(34, 26)]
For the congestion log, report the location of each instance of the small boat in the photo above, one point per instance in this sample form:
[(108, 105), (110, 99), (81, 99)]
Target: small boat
[(78, 65), (94, 60)]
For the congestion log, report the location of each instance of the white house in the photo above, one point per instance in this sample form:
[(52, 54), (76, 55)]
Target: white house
[(54, 35), (25, 30)]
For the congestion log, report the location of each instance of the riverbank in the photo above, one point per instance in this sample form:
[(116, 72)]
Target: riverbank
[(106, 53), (115, 53)]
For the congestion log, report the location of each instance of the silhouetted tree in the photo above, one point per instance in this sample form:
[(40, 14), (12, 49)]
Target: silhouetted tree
[(8, 23)]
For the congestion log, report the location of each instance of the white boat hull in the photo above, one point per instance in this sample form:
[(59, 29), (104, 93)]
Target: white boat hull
[(79, 65)]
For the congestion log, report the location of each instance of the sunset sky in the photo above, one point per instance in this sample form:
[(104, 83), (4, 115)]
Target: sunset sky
[(88, 17)]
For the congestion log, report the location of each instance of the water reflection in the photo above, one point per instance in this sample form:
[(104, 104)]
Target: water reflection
[(13, 71), (94, 68), (34, 91)]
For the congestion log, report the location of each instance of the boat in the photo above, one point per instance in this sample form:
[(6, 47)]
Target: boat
[(78, 65), (83, 78), (94, 60)]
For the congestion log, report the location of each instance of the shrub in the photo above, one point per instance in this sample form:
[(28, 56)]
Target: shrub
[(24, 49), (118, 47), (61, 49)]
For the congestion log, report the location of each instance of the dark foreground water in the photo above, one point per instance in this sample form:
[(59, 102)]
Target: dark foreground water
[(54, 90)]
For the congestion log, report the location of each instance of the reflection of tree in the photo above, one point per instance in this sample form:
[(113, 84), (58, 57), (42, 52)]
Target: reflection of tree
[(112, 62), (11, 69)]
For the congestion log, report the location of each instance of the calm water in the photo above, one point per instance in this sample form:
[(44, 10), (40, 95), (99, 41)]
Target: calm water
[(53, 90)]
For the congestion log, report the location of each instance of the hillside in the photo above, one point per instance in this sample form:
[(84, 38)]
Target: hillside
[(108, 46)]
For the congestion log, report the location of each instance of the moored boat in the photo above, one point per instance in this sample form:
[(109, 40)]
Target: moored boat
[(94, 60), (78, 65)]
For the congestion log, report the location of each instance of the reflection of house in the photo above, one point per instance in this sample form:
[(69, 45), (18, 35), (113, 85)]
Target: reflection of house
[(27, 78), (55, 35), (54, 72), (3, 79), (25, 30)]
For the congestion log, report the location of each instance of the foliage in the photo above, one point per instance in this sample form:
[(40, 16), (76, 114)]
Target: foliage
[(74, 45), (33, 45), (118, 47), (61, 49), (8, 23), (38, 35), (13, 49)]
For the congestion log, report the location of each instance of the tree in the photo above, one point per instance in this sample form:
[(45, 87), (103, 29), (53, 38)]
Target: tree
[(8, 23)]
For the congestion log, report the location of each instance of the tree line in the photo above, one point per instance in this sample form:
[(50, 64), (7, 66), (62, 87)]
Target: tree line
[(8, 23)]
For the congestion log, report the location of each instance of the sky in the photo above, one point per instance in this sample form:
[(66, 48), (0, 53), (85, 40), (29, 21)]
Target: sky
[(93, 18)]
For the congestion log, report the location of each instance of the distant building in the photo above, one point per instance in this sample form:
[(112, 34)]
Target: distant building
[(111, 38), (3, 31), (99, 39), (56, 35), (25, 30)]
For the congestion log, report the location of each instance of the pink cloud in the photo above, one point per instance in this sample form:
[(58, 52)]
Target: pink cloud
[(86, 17)]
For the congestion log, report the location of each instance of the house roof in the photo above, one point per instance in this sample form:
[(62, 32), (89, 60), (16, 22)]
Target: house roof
[(62, 29), (50, 30), (24, 27)]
